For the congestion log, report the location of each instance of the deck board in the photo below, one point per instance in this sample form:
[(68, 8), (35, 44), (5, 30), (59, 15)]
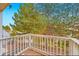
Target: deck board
[(30, 52)]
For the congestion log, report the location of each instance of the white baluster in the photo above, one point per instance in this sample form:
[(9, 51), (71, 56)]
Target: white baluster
[(0, 46), (25, 41), (60, 47), (33, 41), (34, 38), (17, 45), (65, 50), (70, 47), (42, 43), (53, 46), (57, 46), (20, 44), (6, 46), (75, 47), (11, 46), (47, 44), (50, 46), (30, 42), (38, 42), (14, 45)]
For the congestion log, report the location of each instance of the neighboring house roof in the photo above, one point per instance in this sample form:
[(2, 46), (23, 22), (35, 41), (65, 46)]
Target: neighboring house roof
[(3, 6)]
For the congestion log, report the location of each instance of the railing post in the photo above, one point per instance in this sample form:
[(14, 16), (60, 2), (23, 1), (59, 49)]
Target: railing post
[(1, 47), (30, 41), (70, 48), (74, 47)]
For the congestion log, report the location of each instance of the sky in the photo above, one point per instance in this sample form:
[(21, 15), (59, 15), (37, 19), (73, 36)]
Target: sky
[(9, 12)]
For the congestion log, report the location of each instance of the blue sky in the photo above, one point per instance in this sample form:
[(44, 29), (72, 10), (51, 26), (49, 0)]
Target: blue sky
[(8, 14)]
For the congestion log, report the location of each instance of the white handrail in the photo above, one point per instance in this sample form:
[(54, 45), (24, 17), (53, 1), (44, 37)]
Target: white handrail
[(51, 36), (52, 45), (75, 40), (11, 46)]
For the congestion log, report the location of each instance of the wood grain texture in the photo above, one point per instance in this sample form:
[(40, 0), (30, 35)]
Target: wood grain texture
[(3, 6)]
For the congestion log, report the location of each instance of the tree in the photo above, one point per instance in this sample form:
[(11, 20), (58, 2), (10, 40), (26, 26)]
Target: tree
[(28, 20), (7, 28)]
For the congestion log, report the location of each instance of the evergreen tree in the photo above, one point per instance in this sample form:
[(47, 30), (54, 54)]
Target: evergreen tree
[(28, 20), (7, 28)]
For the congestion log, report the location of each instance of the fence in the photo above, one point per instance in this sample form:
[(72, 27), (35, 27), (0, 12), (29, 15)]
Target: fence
[(51, 45), (14, 45)]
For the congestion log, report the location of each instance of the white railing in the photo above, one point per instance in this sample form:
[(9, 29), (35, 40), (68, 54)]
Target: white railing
[(55, 45), (14, 45), (50, 45)]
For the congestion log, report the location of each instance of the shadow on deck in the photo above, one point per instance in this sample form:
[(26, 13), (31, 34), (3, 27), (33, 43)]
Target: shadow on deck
[(31, 52)]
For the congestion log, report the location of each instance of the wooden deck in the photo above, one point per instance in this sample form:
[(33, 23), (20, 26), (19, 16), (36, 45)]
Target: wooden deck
[(30, 52)]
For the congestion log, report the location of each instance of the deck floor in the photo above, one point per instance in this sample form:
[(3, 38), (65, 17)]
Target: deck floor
[(30, 52)]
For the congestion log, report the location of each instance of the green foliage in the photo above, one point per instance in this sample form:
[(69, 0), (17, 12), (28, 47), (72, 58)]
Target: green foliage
[(49, 18), (7, 28), (28, 20)]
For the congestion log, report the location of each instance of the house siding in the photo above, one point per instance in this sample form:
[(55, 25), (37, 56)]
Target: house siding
[(0, 24), (1, 50), (3, 34)]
